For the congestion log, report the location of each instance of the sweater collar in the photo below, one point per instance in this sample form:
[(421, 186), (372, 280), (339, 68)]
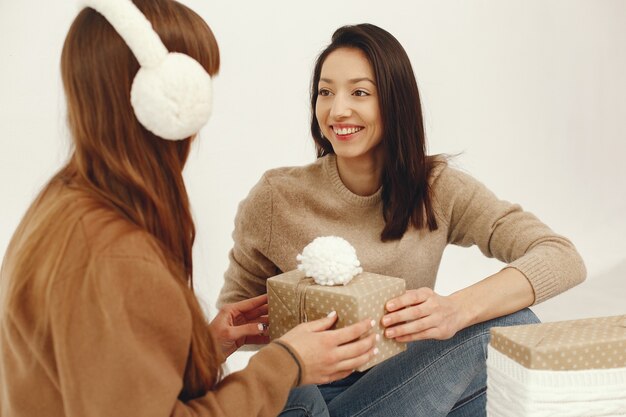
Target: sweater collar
[(330, 167)]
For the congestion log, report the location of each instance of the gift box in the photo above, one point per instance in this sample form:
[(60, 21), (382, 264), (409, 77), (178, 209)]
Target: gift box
[(568, 368), (293, 298)]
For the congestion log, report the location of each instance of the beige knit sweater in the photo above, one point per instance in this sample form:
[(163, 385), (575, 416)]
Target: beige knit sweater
[(289, 207)]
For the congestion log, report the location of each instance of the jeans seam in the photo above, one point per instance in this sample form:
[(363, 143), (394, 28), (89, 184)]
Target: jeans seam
[(297, 407), (446, 353), (469, 399)]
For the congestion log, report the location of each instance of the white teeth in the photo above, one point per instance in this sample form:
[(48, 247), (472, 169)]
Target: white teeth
[(346, 130)]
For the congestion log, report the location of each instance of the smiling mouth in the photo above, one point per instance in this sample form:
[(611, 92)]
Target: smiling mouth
[(346, 131)]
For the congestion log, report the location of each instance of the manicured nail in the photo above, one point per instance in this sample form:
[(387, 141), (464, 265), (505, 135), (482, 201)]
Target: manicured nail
[(372, 323), (389, 333), (386, 320), (332, 314), (390, 306)]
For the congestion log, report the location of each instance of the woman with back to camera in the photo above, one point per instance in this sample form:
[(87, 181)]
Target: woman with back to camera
[(374, 185), (97, 313)]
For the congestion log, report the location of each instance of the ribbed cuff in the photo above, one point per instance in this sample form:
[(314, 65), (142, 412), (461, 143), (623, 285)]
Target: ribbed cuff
[(539, 274)]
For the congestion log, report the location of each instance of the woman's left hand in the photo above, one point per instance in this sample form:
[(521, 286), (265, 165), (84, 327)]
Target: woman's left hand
[(421, 314), (241, 323)]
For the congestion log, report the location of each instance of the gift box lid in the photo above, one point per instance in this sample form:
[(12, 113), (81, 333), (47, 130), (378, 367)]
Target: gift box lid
[(594, 343)]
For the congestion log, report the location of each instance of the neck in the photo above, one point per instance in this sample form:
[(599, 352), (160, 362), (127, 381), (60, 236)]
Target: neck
[(362, 176)]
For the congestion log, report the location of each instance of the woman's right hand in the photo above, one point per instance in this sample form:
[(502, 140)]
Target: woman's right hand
[(329, 355)]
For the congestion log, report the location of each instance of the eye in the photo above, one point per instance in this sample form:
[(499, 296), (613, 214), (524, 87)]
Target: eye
[(361, 93), (323, 92)]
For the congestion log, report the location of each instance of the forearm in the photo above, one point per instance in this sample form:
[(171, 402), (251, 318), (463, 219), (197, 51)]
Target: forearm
[(500, 294)]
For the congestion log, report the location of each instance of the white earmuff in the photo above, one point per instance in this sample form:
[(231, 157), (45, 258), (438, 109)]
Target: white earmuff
[(171, 93)]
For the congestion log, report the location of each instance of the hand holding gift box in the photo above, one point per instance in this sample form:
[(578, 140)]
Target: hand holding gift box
[(312, 291)]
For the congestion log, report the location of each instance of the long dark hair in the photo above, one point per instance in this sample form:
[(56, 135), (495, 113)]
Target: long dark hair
[(405, 187)]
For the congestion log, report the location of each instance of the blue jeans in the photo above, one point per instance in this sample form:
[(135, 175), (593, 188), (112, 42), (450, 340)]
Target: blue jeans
[(432, 378)]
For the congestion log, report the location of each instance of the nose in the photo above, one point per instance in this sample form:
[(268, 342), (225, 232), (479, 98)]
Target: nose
[(340, 108)]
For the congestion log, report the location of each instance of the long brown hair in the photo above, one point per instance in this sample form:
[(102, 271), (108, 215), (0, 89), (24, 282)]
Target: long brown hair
[(406, 170), (121, 165)]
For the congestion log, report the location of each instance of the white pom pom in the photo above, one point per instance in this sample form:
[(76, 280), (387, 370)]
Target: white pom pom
[(172, 99), (329, 260)]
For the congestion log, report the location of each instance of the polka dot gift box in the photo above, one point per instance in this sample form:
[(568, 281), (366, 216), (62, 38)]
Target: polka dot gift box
[(569, 368), (329, 277)]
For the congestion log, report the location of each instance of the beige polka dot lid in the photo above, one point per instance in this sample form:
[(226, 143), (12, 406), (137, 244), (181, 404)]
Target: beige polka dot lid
[(594, 343)]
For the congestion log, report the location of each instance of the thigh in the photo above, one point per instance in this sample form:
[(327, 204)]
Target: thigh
[(428, 379), (332, 390), (305, 401)]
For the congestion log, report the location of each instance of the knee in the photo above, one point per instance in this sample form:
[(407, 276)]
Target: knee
[(306, 401), (525, 316)]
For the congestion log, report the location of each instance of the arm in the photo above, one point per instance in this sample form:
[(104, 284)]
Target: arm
[(541, 263), (249, 264), (123, 345)]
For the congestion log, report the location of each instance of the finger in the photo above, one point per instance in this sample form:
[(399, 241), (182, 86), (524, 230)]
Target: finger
[(249, 304), (432, 333), (245, 330), (257, 340), (357, 348), (411, 297), (263, 324), (354, 331), (259, 311), (406, 314), (354, 363), (337, 376), (411, 327), (322, 324)]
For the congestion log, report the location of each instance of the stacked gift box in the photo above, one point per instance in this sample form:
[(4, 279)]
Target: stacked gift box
[(293, 298), (571, 368)]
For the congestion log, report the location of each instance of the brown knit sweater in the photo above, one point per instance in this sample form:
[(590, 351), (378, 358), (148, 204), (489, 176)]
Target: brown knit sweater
[(120, 342), (289, 207)]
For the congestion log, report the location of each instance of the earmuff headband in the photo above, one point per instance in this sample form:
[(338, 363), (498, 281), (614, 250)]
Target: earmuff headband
[(171, 92)]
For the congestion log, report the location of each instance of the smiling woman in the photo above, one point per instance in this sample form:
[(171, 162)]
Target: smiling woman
[(349, 116), (374, 185)]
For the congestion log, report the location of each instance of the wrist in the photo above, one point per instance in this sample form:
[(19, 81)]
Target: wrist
[(467, 308)]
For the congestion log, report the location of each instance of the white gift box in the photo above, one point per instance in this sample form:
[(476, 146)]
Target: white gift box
[(572, 368)]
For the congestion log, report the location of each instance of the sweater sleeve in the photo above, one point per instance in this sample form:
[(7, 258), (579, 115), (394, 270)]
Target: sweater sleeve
[(249, 264), (475, 216), (121, 344)]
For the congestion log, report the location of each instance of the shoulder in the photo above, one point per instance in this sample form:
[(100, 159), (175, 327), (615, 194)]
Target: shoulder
[(127, 270), (285, 181), (286, 177), (113, 249), (108, 234), (446, 178)]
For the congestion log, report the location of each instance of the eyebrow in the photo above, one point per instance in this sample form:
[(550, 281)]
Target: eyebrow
[(351, 81)]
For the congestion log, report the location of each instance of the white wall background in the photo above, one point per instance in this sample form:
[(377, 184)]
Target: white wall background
[(533, 93)]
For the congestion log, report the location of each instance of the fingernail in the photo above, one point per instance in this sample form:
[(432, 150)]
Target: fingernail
[(389, 333), (372, 323), (332, 314), (386, 320), (260, 327), (390, 306), (376, 351)]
